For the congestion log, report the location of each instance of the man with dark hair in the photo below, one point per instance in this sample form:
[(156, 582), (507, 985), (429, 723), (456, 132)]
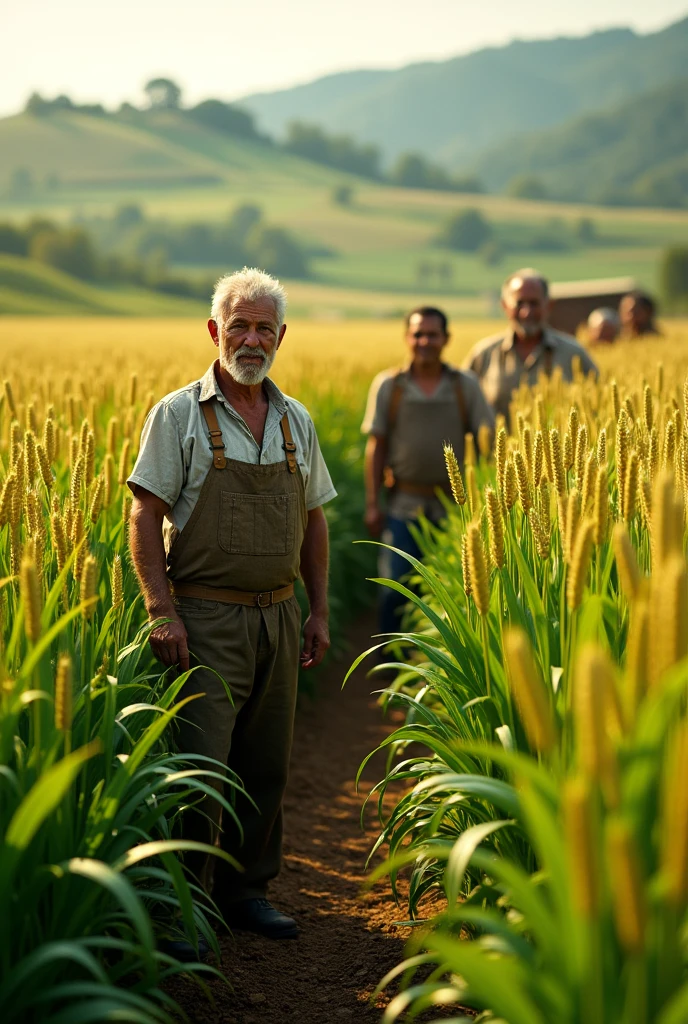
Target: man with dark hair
[(637, 313), (409, 416), (528, 348)]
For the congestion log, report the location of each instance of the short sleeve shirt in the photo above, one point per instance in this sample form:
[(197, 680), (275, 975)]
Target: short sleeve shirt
[(175, 455)]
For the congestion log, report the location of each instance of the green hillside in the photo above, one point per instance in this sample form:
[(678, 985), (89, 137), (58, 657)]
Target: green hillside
[(635, 153), (450, 110), (27, 287)]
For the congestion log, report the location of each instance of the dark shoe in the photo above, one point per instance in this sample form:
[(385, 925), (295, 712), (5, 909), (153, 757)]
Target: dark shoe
[(259, 916), (182, 949)]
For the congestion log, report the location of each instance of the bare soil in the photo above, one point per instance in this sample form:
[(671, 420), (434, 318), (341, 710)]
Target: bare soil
[(349, 939)]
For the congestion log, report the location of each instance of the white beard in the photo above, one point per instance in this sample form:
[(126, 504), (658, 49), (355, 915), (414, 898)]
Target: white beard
[(247, 373)]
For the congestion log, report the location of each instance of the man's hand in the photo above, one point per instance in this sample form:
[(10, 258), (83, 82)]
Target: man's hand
[(374, 519), (316, 640), (169, 643)]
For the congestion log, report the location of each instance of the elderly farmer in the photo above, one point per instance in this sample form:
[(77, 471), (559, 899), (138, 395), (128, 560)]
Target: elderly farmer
[(410, 414), (229, 487), (528, 348), (637, 312), (603, 326)]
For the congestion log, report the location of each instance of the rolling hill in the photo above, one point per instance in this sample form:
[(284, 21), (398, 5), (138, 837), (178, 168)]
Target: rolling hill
[(452, 110), (635, 153)]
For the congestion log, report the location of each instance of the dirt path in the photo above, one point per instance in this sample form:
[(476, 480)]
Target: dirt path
[(348, 941)]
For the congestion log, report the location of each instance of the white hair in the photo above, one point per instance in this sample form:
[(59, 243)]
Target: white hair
[(603, 315), (251, 285), (526, 274)]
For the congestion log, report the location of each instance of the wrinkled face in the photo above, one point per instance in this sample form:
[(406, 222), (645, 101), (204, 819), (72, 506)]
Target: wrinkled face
[(426, 338), (526, 306), (635, 315), (248, 337)]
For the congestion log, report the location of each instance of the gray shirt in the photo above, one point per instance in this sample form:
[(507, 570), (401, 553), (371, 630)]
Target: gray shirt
[(500, 368), (175, 455), (423, 422)]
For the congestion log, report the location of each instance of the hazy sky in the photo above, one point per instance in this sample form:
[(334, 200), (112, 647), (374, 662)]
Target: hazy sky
[(97, 51)]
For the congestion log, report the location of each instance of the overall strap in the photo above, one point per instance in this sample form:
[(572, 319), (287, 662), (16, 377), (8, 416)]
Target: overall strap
[(216, 442), (461, 400), (395, 399), (289, 446)]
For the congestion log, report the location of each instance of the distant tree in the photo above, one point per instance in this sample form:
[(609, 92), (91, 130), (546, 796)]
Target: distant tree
[(21, 182), (586, 232), (338, 151), (492, 253), (673, 275), (466, 231), (342, 195), (13, 240), (242, 220), (527, 186), (223, 117), (413, 171), (128, 216), (163, 94), (71, 251), (469, 184), (275, 250)]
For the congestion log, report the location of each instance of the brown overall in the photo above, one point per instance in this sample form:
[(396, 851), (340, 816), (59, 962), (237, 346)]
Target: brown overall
[(231, 571)]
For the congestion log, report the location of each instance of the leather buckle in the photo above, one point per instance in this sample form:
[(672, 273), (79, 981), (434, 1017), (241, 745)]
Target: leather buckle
[(289, 446), (264, 600)]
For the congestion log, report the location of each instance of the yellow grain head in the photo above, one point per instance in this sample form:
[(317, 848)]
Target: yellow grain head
[(630, 491), (630, 410), (534, 706), (133, 388), (510, 484), (628, 896), (83, 436), (568, 453), (474, 502), (63, 694), (87, 586), (669, 446), (601, 506), (527, 448), (78, 533), (622, 452), (30, 456), (653, 454), (647, 407), (581, 453), (674, 833), (116, 582), (573, 425), (522, 482), (469, 456), (89, 459), (580, 833), (465, 566), (580, 563), (635, 675), (477, 566), (97, 494), (108, 479), (123, 471), (30, 590), (59, 540), (484, 440), (667, 521), (126, 507), (33, 510), (16, 502), (645, 499), (592, 697), (572, 519), (9, 398), (558, 472), (31, 420), (660, 379), (76, 482), (68, 522), (589, 475), (44, 466), (626, 561), (111, 437), (520, 426), (602, 447), (6, 499), (453, 472), (538, 458), (544, 510), (496, 527), (73, 450), (669, 617), (500, 457)]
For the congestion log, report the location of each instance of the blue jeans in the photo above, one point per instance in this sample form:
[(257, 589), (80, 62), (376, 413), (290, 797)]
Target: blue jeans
[(394, 567)]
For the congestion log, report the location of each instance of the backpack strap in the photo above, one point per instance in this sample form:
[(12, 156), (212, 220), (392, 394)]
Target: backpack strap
[(216, 442), (289, 446)]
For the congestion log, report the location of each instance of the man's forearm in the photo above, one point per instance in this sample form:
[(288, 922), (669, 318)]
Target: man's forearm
[(148, 555), (375, 457), (315, 562)]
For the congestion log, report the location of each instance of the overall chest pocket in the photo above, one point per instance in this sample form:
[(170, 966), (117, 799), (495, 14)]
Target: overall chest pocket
[(257, 524)]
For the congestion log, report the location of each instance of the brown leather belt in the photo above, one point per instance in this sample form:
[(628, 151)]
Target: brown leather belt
[(422, 490), (262, 600)]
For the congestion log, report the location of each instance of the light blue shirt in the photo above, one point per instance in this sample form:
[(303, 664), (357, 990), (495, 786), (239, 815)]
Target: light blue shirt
[(175, 455)]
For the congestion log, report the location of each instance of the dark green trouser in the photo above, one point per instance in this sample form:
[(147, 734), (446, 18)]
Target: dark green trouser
[(256, 650)]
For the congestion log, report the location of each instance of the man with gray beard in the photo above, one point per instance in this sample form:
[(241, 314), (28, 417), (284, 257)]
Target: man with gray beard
[(228, 490)]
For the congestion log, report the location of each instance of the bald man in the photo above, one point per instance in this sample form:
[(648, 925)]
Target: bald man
[(528, 347)]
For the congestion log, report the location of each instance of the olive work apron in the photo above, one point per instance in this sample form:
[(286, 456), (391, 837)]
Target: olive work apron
[(245, 533)]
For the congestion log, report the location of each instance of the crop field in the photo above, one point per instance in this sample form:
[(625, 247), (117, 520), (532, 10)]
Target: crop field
[(543, 825)]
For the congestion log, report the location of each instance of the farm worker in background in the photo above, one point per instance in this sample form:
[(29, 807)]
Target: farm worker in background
[(228, 493), (637, 311), (409, 416), (603, 326), (528, 347)]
